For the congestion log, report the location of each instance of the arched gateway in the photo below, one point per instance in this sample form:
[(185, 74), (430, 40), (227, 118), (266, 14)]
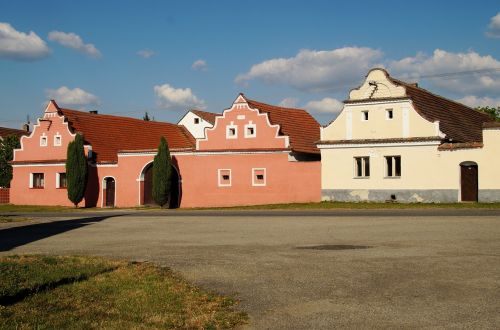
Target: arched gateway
[(147, 187)]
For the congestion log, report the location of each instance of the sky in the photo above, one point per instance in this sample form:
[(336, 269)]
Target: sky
[(166, 57)]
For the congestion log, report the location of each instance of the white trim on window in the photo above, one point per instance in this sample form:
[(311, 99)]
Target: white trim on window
[(43, 140), (393, 170), (389, 114), (365, 115), (250, 130), (57, 140), (361, 167), (220, 172), (255, 183), (232, 131)]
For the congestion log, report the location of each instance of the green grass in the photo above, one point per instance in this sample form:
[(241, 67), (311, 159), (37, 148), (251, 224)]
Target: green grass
[(88, 292), (10, 218), (291, 206), (360, 206)]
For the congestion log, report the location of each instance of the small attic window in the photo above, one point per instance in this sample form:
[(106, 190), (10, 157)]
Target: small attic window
[(57, 140), (43, 141), (196, 120), (364, 115), (389, 114)]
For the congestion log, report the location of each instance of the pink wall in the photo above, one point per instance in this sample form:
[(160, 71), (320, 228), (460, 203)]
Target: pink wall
[(266, 135)]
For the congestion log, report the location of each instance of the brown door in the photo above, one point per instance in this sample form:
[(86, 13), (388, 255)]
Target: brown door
[(468, 178), (148, 186), (110, 192)]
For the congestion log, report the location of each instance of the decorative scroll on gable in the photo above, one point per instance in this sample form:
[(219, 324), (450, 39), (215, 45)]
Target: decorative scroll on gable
[(377, 85)]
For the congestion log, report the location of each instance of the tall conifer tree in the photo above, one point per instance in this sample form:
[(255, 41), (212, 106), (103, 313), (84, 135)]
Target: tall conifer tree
[(162, 172), (76, 170)]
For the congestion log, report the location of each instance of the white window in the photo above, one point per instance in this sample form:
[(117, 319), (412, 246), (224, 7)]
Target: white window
[(393, 166), (364, 115), (361, 167), (61, 181), (250, 130), (43, 141), (389, 114), (258, 176), (57, 140), (37, 180), (231, 131), (224, 179)]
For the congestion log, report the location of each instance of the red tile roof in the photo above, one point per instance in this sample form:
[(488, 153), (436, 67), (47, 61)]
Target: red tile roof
[(5, 131), (301, 128), (459, 122), (107, 134), (207, 116)]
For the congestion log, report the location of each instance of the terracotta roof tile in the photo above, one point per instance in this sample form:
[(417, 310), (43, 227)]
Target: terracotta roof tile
[(6, 131), (301, 128), (492, 124), (207, 116), (459, 122), (108, 134)]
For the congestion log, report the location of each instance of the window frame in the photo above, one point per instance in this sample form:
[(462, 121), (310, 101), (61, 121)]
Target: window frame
[(58, 180), (255, 183), (220, 174), (229, 128), (389, 114), (33, 181), (60, 140), (252, 126), (391, 170), (365, 115), (362, 167), (45, 139)]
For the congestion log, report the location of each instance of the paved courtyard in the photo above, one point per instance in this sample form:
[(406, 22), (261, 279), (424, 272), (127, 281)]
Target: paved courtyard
[(320, 271)]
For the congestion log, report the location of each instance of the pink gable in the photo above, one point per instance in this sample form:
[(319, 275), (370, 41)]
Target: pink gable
[(49, 139), (240, 128)]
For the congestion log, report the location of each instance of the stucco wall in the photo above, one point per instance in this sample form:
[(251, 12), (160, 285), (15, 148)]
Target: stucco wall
[(197, 130)]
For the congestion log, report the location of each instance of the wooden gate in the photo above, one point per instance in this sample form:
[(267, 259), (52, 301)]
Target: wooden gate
[(110, 192), (468, 181), (148, 186)]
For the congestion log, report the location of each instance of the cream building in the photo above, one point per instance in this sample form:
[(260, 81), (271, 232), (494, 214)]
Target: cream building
[(396, 141)]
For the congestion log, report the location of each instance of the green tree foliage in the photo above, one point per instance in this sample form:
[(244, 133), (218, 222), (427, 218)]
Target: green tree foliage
[(162, 173), (146, 117), (492, 111), (76, 170), (7, 146)]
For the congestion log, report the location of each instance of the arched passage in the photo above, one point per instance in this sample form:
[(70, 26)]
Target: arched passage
[(146, 180), (468, 181)]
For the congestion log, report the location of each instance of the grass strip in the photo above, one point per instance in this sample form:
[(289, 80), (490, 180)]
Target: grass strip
[(130, 295)]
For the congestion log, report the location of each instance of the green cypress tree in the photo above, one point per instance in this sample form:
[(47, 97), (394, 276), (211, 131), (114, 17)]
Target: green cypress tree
[(76, 170), (162, 172), (7, 146)]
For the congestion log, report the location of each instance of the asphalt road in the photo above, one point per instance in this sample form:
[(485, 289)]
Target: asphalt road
[(306, 270)]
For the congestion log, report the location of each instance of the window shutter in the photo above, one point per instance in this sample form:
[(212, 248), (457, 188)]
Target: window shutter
[(31, 180), (58, 180)]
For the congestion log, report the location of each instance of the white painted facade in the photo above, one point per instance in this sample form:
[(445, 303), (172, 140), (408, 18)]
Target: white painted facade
[(195, 124)]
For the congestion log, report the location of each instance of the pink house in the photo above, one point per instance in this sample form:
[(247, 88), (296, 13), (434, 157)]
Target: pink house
[(253, 153)]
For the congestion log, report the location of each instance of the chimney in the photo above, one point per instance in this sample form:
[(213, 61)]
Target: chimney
[(94, 112)]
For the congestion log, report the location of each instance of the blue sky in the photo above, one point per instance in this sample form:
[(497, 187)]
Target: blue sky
[(164, 57)]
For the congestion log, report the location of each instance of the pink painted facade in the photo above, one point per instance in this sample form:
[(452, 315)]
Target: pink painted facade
[(245, 159)]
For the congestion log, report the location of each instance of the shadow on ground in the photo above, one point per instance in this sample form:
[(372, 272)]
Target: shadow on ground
[(17, 236)]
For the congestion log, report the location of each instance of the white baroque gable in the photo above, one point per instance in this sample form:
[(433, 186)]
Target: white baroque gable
[(377, 85)]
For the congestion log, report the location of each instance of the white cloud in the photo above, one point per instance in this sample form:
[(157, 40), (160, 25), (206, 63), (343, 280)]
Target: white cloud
[(289, 102), (494, 27), (457, 68), (74, 41), (474, 101), (77, 96), (146, 53), (326, 105), (199, 65), (313, 70), (15, 45), (177, 98)]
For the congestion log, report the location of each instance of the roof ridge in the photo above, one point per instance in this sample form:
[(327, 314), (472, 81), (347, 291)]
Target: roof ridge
[(276, 106)]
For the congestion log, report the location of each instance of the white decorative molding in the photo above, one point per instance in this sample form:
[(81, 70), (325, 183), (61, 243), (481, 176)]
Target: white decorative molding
[(257, 184), (219, 177), (379, 145), (406, 121), (348, 124)]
